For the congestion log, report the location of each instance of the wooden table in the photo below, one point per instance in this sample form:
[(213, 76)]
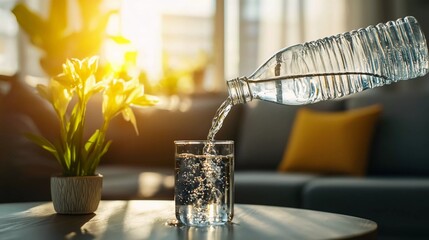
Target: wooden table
[(148, 220)]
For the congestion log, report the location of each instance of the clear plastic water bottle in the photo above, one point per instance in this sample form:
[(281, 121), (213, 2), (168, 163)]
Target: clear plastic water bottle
[(337, 66)]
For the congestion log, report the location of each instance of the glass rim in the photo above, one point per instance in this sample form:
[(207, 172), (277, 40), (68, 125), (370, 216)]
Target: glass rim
[(216, 142)]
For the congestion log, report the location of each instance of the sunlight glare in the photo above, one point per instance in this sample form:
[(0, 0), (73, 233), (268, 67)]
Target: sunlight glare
[(141, 23), (144, 24), (149, 183)]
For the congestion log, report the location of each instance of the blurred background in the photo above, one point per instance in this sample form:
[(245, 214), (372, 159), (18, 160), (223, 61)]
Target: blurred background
[(177, 46), (184, 51)]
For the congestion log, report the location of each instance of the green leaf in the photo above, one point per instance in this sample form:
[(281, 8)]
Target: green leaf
[(106, 148), (58, 17), (75, 121), (96, 160), (91, 143), (32, 24), (63, 156), (43, 143)]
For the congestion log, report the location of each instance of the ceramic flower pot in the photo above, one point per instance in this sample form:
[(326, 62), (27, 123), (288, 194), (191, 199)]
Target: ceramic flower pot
[(76, 195)]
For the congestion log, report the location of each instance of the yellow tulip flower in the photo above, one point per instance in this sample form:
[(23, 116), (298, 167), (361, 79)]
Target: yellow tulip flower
[(120, 95)]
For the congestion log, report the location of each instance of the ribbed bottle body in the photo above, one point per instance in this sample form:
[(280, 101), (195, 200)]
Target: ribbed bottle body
[(340, 65)]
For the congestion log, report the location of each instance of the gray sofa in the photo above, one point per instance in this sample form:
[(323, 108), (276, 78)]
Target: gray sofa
[(393, 193)]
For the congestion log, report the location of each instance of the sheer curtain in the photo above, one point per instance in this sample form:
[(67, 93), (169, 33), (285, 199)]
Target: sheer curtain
[(256, 29), (8, 45)]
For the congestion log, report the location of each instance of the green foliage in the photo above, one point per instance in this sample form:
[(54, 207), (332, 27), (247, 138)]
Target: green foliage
[(53, 36)]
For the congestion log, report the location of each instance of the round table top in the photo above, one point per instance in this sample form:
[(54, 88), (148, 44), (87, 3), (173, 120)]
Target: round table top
[(142, 219)]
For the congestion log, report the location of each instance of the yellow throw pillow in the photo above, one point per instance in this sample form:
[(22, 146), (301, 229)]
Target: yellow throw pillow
[(330, 143)]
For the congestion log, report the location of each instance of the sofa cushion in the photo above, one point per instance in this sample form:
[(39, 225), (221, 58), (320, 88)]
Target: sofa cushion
[(401, 139), (399, 206), (264, 131), (270, 188), (330, 143)]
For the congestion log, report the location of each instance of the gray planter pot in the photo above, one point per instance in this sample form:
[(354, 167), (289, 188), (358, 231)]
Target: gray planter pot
[(76, 195)]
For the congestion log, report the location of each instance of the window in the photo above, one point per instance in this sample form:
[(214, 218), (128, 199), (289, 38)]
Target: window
[(195, 45), (8, 43), (172, 37)]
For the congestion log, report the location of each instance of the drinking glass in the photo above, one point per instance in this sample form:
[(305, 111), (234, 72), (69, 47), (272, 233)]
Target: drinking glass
[(204, 182)]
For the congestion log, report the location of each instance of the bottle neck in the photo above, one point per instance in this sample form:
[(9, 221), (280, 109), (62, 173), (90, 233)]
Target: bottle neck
[(239, 90)]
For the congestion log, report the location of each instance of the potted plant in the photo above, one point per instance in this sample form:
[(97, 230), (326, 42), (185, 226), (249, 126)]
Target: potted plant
[(78, 189)]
